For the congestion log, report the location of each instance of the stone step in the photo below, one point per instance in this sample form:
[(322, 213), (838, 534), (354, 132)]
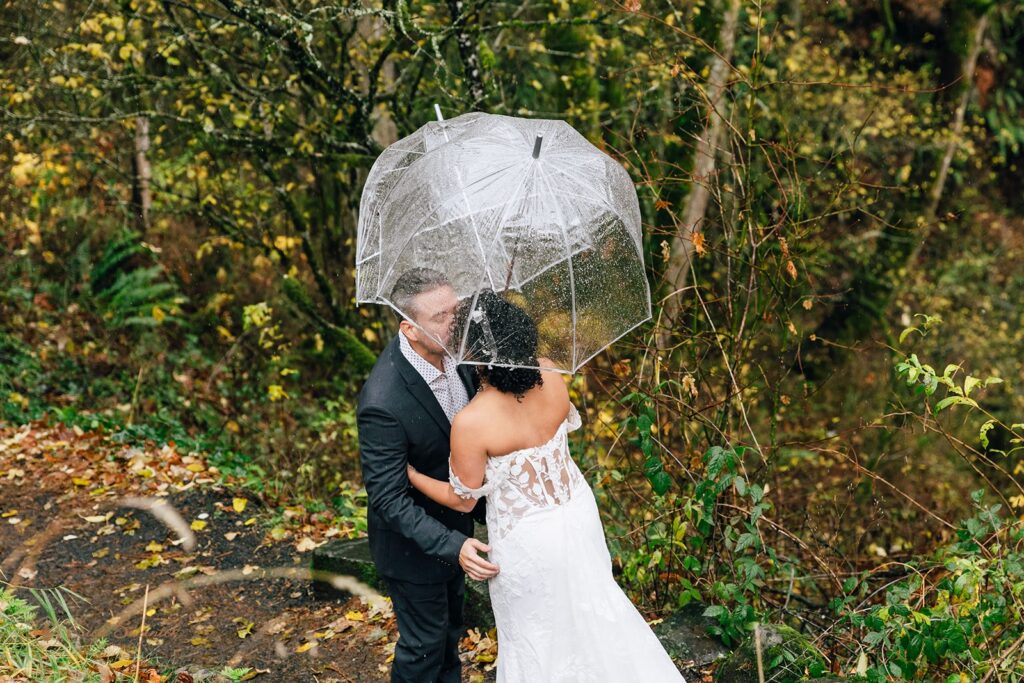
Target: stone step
[(352, 558)]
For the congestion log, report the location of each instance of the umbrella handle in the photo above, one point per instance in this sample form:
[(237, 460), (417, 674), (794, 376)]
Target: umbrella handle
[(479, 317), (536, 146)]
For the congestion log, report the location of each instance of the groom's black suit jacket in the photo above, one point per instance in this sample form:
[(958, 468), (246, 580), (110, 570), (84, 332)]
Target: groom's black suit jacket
[(411, 537)]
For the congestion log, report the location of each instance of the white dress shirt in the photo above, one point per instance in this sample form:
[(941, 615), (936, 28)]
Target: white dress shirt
[(447, 386)]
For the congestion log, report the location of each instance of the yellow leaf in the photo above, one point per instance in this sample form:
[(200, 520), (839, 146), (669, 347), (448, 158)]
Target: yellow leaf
[(198, 525), (79, 481), (305, 646), (126, 51), (239, 504), (306, 544), (354, 616), (120, 664), (195, 467)]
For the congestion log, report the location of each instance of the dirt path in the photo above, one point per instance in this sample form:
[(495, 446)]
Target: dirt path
[(63, 523)]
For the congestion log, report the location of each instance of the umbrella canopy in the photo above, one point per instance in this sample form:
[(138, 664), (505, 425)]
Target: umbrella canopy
[(524, 207)]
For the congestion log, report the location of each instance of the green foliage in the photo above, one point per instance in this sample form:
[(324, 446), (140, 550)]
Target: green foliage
[(54, 659), (642, 418), (132, 294), (956, 615)]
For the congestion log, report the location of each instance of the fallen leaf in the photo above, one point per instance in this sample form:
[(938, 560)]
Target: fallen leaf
[(245, 626), (306, 544), (198, 525), (231, 535), (239, 504), (305, 646)]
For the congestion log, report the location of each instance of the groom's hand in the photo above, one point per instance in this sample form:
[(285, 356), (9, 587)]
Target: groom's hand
[(475, 566)]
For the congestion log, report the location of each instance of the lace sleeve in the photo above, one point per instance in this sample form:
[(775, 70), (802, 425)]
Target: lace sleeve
[(574, 418), (466, 492)]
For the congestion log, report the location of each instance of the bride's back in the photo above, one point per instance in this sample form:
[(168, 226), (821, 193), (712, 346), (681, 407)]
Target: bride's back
[(504, 424)]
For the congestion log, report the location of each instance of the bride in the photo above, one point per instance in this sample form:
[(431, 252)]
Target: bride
[(560, 615)]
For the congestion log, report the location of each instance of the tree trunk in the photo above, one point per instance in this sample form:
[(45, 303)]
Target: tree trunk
[(141, 176), (681, 246), (970, 63), (468, 54)]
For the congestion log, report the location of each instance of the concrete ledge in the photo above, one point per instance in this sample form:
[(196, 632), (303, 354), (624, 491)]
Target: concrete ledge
[(352, 558)]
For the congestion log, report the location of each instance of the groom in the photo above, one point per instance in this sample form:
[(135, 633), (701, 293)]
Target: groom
[(420, 548)]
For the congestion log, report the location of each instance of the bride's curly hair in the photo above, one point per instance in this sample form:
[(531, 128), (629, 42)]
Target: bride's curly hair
[(514, 334)]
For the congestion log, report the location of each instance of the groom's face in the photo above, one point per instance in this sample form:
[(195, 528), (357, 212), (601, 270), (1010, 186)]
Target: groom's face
[(435, 310)]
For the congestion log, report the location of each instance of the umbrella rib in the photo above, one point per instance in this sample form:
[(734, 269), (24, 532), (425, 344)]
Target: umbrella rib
[(413, 233), (568, 252), (487, 265), (472, 221)]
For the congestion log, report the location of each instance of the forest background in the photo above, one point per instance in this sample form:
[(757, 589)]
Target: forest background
[(821, 426)]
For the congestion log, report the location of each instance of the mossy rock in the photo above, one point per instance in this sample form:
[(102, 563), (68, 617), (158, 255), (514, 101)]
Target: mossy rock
[(787, 656), (352, 558)]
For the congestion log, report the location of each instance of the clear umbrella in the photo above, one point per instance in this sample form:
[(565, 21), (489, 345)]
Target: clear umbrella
[(385, 174), (524, 207)]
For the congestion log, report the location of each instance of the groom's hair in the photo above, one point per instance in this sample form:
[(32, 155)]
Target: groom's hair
[(411, 284)]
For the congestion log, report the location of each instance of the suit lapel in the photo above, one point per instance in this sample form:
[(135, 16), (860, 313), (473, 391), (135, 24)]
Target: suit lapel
[(419, 389), (468, 378)]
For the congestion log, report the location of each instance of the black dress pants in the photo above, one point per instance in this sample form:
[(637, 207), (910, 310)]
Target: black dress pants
[(430, 626)]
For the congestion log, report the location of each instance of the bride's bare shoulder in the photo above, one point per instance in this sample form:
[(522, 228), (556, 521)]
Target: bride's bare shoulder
[(471, 417)]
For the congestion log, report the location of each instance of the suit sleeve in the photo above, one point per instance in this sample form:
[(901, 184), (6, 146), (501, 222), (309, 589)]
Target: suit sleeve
[(383, 454), (479, 513)]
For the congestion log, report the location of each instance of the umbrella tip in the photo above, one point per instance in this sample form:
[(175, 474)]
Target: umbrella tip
[(437, 112), (536, 145)]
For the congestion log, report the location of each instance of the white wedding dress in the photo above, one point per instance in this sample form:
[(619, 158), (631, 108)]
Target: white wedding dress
[(560, 615)]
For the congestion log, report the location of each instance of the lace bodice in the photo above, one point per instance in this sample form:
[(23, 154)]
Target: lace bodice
[(526, 480)]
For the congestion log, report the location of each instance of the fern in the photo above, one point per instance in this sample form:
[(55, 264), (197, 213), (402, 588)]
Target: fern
[(130, 293)]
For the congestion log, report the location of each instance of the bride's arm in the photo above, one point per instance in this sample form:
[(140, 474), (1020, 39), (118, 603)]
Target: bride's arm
[(440, 492), (468, 462)]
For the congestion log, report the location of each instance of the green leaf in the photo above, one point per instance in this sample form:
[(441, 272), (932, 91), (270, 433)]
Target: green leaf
[(652, 466), (741, 485), (969, 384), (954, 400), (983, 432), (906, 333), (643, 424), (745, 541), (661, 483), (714, 611)]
